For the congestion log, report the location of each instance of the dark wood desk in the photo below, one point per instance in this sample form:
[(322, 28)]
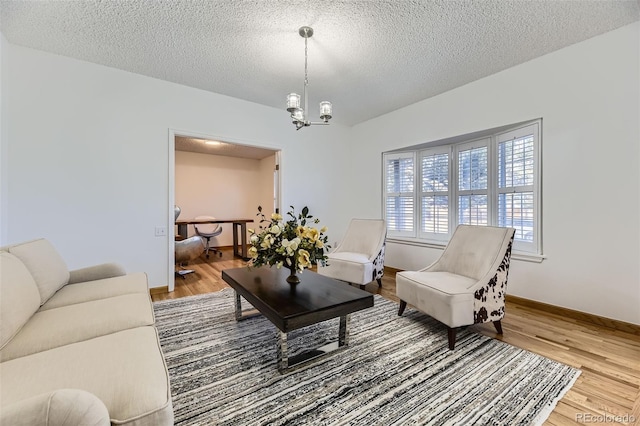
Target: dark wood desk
[(289, 307), (239, 227)]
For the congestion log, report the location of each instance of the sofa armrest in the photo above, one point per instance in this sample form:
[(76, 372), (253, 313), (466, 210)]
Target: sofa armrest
[(96, 272), (63, 407)]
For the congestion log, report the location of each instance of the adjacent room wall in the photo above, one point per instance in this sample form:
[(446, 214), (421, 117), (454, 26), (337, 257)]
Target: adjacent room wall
[(220, 186), (588, 97), (265, 188), (89, 150)]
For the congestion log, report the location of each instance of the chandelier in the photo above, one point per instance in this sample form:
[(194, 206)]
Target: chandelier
[(298, 114)]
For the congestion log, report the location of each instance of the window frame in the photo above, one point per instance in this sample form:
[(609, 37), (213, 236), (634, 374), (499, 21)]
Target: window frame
[(532, 247), (457, 149), (386, 195), (530, 250), (431, 236)]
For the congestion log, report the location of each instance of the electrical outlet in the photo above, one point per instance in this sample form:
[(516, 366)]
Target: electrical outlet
[(161, 231)]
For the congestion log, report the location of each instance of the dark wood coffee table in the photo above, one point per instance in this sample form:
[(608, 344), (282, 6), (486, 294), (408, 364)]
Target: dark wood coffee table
[(290, 307)]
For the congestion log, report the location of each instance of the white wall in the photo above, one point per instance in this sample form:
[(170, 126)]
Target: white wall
[(89, 153), (4, 139), (220, 186), (588, 96)]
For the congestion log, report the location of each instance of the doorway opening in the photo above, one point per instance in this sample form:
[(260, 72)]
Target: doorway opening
[(220, 177)]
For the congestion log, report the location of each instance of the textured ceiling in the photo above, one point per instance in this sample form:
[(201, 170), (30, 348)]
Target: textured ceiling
[(221, 148), (367, 57)]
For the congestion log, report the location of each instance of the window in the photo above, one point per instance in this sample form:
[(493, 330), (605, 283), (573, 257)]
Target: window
[(434, 193), (399, 195), (490, 178), (473, 183), (516, 189)]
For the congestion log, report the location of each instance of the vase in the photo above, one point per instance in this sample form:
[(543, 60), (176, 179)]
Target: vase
[(293, 278)]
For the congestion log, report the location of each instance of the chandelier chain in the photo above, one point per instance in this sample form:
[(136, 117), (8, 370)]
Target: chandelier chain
[(306, 77)]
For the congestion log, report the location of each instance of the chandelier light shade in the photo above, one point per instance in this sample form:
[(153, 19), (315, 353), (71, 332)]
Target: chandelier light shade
[(293, 102), (325, 110), (298, 113)]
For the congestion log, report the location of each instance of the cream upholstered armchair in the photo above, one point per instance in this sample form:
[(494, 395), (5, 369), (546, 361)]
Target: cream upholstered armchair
[(359, 258), (467, 284)]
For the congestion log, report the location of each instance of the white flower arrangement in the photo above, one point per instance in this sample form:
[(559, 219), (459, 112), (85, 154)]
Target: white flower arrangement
[(292, 243)]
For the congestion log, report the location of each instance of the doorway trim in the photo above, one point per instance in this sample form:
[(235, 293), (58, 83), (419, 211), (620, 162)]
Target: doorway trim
[(172, 182)]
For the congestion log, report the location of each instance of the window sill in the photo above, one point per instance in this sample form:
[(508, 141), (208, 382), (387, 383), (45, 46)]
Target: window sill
[(525, 257)]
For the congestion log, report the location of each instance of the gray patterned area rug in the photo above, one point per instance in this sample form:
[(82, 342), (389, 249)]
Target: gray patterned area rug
[(395, 371)]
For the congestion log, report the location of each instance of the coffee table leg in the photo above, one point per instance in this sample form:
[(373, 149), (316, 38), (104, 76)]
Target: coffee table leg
[(343, 331), (238, 306), (283, 351), (239, 313), (286, 363)]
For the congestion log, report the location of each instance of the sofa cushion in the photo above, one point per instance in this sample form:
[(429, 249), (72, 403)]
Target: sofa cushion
[(96, 272), (19, 296), (125, 370), (82, 321), (62, 407), (45, 264), (99, 289)]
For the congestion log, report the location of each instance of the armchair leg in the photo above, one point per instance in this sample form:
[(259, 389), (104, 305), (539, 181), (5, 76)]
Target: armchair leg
[(379, 282), (451, 332), (403, 305), (498, 326)]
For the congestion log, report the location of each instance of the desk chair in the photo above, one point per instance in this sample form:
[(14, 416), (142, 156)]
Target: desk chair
[(208, 231), (177, 210), (187, 250)]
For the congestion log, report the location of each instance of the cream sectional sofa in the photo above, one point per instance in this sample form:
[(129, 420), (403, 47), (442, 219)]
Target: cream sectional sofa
[(77, 347)]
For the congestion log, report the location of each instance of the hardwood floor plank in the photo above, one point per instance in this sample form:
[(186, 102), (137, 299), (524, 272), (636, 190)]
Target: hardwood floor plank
[(635, 411), (556, 419), (609, 359), (564, 414)]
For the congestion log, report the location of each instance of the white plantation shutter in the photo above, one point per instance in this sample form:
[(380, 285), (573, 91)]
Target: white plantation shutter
[(488, 178), (516, 182), (399, 196), (473, 183), (434, 193)]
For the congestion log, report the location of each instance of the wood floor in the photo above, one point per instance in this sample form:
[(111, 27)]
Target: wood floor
[(607, 391)]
